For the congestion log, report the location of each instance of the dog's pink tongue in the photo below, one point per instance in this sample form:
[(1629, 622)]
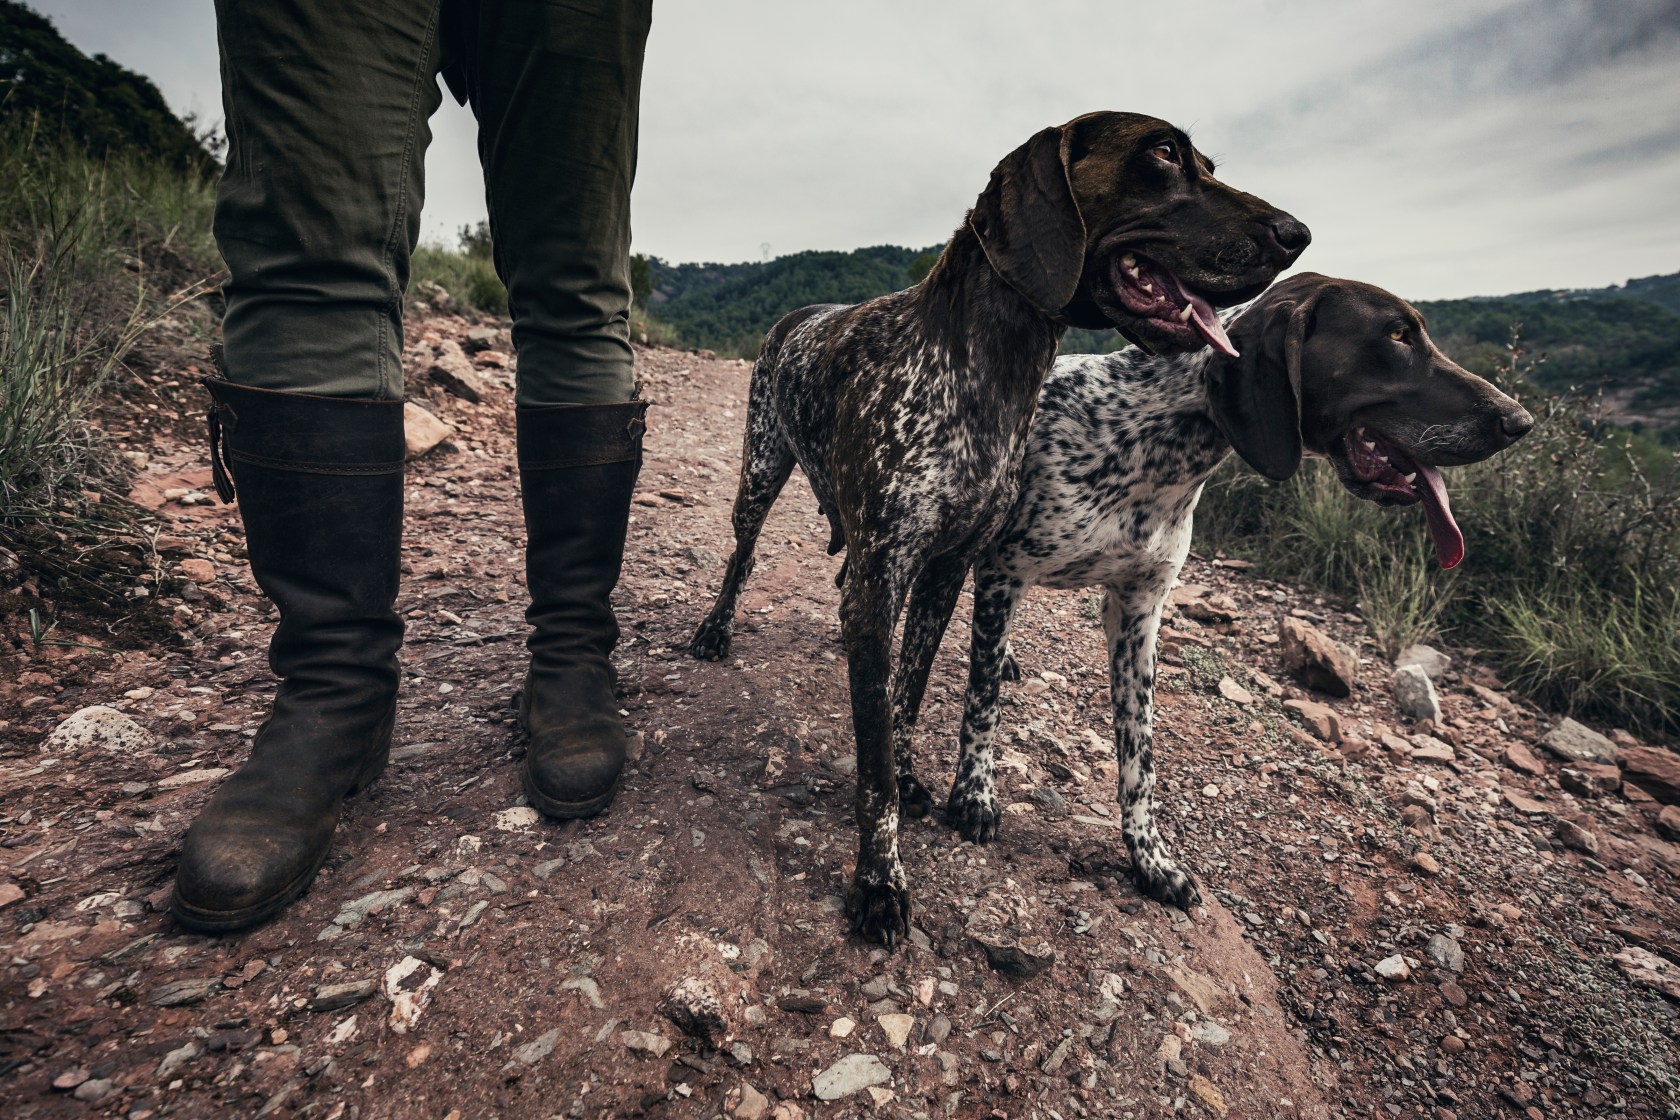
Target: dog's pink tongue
[(1443, 530), (1206, 321)]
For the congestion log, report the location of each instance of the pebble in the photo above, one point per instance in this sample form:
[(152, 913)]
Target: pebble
[(516, 819), (1452, 1044), (939, 1030), (182, 993), (198, 571), (1414, 694), (538, 1048), (336, 997), (1572, 835), (1393, 968), (842, 1027), (1208, 1093), (1445, 952), (645, 1043), (744, 1102), (694, 1007), (851, 1074), (101, 729), (408, 985), (896, 1028), (1209, 1033), (1455, 995), (96, 1089), (1425, 863)]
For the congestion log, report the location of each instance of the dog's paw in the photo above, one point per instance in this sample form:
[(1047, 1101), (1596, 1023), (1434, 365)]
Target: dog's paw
[(711, 641), (974, 815), (1170, 886), (914, 800), (1009, 669), (879, 908)]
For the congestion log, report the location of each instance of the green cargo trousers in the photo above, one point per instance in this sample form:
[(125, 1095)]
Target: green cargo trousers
[(327, 103)]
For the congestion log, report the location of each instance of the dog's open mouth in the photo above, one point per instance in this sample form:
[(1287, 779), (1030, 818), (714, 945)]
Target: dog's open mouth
[(1389, 475), (1151, 292)]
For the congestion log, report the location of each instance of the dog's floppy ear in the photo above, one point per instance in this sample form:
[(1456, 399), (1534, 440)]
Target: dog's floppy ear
[(1029, 224), (1256, 398)]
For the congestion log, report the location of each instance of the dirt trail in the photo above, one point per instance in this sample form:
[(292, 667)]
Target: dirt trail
[(459, 958)]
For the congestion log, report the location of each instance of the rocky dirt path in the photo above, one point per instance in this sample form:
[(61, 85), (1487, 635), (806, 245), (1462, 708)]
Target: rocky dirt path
[(1437, 921)]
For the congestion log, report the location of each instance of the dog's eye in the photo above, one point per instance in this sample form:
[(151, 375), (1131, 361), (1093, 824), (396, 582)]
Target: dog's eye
[(1166, 150), (1398, 334)]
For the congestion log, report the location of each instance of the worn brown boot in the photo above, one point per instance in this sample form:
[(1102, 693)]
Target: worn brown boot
[(319, 484), (577, 467)]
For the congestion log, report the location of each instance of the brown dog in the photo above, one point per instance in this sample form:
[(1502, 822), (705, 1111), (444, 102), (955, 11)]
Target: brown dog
[(1115, 463), (909, 413)]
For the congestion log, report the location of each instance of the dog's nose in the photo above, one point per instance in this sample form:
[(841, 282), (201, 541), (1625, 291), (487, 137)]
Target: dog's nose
[(1516, 424), (1291, 236)]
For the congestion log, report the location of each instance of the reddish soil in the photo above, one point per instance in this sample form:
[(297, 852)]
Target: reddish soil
[(551, 950)]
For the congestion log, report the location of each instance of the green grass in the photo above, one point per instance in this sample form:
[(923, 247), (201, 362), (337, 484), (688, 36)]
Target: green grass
[(1571, 581)]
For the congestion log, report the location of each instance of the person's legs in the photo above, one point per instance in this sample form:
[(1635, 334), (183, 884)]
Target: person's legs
[(556, 89), (318, 211)]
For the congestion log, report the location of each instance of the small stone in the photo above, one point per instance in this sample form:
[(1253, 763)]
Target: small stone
[(1425, 863), (182, 993), (516, 819), (1668, 823), (1208, 1093), (880, 1097), (422, 431), (1591, 779), (645, 1043), (547, 867), (1519, 757), (184, 778), (102, 730), (1235, 692), (938, 1030), (1646, 968), (538, 1048), (1317, 660), (695, 1008), (1393, 968), (1454, 994), (924, 991), (408, 985), (842, 1027), (1318, 718), (1452, 1044), (851, 1074), (177, 1058), (1431, 660), (1414, 694), (1209, 1033), (896, 1028), (743, 1102), (69, 1079), (1014, 961), (452, 370), (1578, 743), (1654, 769), (336, 997), (1572, 835), (1427, 748), (416, 1057), (1522, 803), (96, 1089), (1445, 952), (198, 571)]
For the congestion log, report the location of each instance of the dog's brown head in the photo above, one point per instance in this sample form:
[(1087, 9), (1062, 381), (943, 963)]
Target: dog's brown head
[(1115, 220), (1347, 371)]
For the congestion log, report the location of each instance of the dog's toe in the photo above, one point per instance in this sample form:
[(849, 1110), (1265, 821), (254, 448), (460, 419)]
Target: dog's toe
[(711, 641), (1172, 887), (914, 800), (880, 912), (974, 818)]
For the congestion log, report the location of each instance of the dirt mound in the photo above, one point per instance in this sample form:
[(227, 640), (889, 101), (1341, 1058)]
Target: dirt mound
[(1413, 921)]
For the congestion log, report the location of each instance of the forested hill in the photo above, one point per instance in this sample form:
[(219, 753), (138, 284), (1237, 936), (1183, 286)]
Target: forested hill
[(88, 103), (1623, 339)]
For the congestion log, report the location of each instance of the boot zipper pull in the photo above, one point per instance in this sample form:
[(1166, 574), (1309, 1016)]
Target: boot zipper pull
[(220, 473)]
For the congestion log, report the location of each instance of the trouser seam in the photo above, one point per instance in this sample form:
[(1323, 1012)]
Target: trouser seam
[(423, 71)]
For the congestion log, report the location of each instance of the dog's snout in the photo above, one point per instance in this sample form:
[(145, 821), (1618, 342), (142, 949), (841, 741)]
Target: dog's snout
[(1290, 235), (1516, 423)]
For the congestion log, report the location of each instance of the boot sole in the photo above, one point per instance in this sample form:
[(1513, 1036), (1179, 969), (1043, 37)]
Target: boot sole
[(567, 810), (231, 921)]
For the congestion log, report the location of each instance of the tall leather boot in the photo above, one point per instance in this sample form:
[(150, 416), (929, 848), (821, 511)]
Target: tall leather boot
[(577, 468), (319, 483)]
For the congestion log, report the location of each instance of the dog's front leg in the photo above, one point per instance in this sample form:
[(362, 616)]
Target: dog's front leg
[(1131, 621), (929, 613), (878, 901), (972, 807)]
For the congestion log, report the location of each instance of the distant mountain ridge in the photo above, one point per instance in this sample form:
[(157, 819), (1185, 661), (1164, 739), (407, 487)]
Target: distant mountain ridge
[(1624, 339)]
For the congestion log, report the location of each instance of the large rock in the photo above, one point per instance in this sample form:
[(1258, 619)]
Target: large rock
[(99, 729), (1317, 660), (1427, 658), (1414, 694), (456, 373), (422, 430), (1653, 769), (1578, 743)]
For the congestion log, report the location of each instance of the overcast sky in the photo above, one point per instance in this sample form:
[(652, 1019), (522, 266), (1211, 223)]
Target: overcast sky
[(1437, 147)]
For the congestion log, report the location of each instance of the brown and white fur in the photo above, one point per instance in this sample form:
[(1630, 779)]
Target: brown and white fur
[(909, 413)]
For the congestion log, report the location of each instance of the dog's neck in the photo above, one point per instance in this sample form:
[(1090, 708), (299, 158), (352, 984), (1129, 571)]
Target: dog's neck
[(986, 330), (1134, 391)]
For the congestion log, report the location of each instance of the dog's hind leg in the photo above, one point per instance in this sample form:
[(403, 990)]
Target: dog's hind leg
[(766, 463), (972, 807), (1131, 621), (931, 602), (878, 900)]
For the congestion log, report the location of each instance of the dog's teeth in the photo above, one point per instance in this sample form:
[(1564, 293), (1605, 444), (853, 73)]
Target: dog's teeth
[(1184, 316), (1132, 272), (1148, 287), (1369, 446), (1130, 263), (1410, 478)]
